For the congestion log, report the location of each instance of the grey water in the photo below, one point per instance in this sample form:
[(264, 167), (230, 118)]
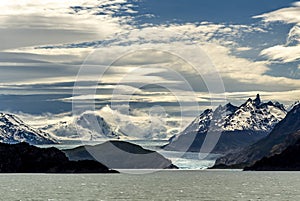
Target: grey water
[(163, 185)]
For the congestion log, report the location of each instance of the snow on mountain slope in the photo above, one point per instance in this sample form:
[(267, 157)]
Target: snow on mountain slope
[(109, 123), (200, 124), (87, 126), (236, 126), (14, 130), (255, 115), (139, 125), (252, 115)]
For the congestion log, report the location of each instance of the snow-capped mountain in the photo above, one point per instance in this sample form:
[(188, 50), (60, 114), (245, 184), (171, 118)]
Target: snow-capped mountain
[(254, 115), (87, 126), (284, 134), (109, 123), (96, 124), (209, 119), (238, 126), (14, 130)]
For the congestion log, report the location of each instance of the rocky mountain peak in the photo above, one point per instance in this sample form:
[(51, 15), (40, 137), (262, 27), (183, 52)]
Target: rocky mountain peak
[(294, 105), (253, 115), (257, 100), (14, 130)]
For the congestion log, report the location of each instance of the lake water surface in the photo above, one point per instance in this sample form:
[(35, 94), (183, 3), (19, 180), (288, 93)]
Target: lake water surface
[(164, 185)]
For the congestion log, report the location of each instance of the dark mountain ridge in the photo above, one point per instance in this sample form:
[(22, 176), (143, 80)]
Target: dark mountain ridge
[(25, 158), (120, 155), (281, 137), (286, 160)]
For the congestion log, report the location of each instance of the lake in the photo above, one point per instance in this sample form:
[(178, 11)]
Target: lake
[(164, 185)]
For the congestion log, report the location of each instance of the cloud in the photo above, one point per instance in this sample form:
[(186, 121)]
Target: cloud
[(187, 39), (48, 41), (290, 51), (133, 49), (241, 49), (288, 15), (32, 22), (282, 53), (286, 97), (242, 70), (166, 33), (294, 36)]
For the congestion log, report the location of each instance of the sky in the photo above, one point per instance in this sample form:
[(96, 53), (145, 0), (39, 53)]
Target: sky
[(173, 57)]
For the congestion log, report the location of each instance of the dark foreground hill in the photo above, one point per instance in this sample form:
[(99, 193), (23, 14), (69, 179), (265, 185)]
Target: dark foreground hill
[(287, 160), (121, 155), (25, 158)]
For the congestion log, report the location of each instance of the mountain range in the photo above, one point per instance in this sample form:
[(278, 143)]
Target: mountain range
[(235, 126), (251, 135), (284, 134), (112, 124), (88, 126)]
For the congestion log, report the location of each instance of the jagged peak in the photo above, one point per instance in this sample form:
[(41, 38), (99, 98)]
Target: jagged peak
[(279, 105), (295, 104), (249, 100), (253, 115), (220, 106), (13, 119), (230, 105), (296, 107), (225, 110), (259, 103), (207, 111), (230, 117), (257, 100), (274, 104)]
